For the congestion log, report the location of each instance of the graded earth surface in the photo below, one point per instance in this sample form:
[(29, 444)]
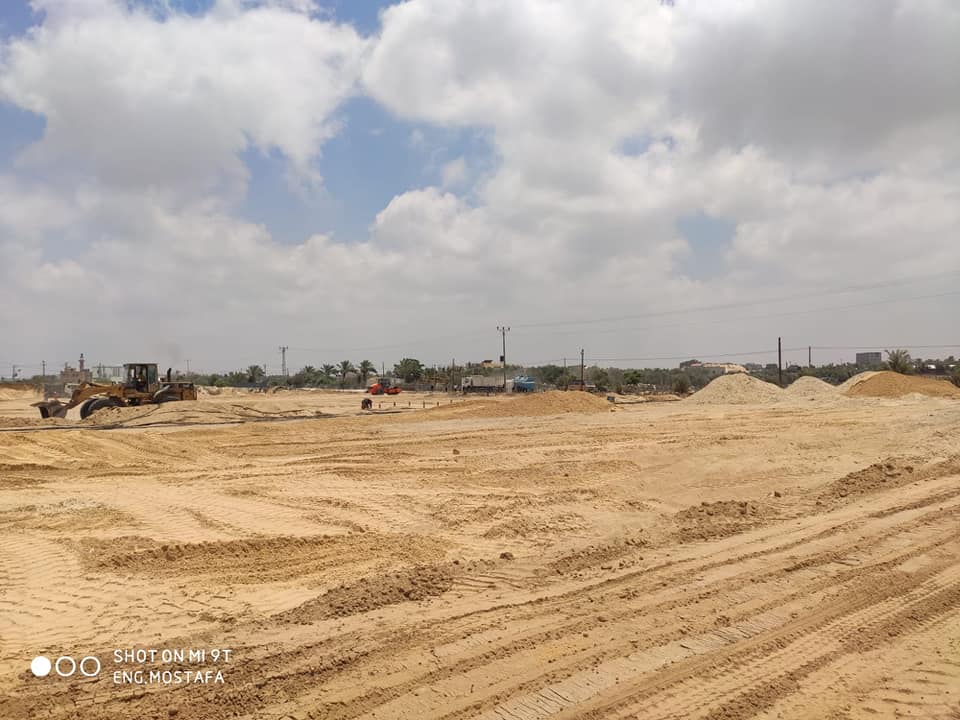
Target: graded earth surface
[(791, 555)]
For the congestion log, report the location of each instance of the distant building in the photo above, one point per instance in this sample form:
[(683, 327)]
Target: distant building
[(868, 359), (724, 368), (76, 375), (110, 373)]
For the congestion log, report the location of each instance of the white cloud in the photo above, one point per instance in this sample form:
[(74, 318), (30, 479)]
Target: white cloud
[(824, 138), (137, 101), (454, 173)]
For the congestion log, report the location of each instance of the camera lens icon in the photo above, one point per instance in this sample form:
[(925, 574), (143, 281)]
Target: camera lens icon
[(40, 666), (65, 666)]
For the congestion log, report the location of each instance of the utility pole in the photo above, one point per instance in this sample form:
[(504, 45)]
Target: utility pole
[(503, 330), (188, 365), (43, 364), (582, 386), (283, 360), (780, 362), (809, 356)]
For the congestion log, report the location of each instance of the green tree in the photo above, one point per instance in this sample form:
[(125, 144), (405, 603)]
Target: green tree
[(255, 373), (681, 385), (409, 369), (237, 378), (955, 378), (309, 376), (345, 368), (600, 378), (328, 372), (899, 361), (366, 367)]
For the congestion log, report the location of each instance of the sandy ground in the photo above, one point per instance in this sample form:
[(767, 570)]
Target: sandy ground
[(662, 560)]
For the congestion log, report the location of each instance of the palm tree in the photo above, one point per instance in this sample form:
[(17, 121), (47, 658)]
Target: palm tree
[(255, 373), (309, 375), (345, 367), (329, 371), (366, 367), (899, 361)]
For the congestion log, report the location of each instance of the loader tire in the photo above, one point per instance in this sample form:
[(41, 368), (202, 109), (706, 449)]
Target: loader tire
[(85, 408), (100, 403)]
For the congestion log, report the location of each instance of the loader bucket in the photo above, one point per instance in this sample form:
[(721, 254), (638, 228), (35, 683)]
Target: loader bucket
[(51, 409)]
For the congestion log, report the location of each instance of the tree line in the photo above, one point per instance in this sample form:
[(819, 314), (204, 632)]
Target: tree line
[(689, 376)]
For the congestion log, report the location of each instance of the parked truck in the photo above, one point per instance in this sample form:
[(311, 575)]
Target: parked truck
[(485, 384), (494, 383)]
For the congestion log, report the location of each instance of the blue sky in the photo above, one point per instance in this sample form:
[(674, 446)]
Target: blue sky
[(373, 158)]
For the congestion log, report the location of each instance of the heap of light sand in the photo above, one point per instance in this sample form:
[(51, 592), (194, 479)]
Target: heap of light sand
[(737, 389), (855, 380), (191, 412), (18, 392), (212, 390), (553, 402), (811, 388), (888, 384)]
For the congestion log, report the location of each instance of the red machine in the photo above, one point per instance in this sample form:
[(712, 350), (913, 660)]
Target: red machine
[(383, 388)]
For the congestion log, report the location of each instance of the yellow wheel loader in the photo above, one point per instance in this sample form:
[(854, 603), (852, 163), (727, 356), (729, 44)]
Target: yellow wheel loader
[(141, 386)]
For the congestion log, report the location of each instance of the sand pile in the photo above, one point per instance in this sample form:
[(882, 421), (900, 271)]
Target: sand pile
[(889, 473), (856, 380), (737, 389), (29, 422), (711, 520), (211, 390), (18, 392), (413, 584), (553, 402), (888, 384), (811, 388), (194, 412)]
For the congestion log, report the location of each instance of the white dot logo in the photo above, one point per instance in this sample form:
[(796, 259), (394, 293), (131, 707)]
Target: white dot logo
[(40, 666)]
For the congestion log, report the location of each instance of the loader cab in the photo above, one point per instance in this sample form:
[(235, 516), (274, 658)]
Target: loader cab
[(140, 376)]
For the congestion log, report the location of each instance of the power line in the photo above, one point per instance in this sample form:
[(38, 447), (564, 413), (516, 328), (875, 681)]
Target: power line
[(909, 346), (666, 313), (749, 353), (747, 318), (744, 303)]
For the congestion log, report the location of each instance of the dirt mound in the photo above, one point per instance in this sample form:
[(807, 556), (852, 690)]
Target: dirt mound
[(553, 402), (213, 390), (890, 473), (194, 412), (855, 380), (529, 527), (15, 422), (710, 520), (811, 388), (253, 559), (418, 583), (887, 384), (737, 389), (18, 391)]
